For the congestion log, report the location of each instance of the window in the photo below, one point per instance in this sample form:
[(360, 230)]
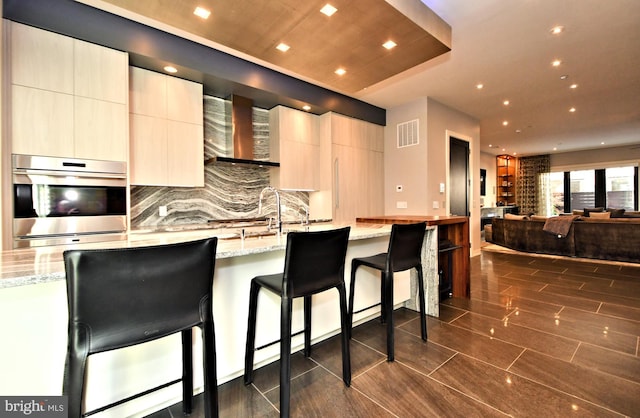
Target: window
[(619, 187), (583, 189), (615, 187), (556, 184)]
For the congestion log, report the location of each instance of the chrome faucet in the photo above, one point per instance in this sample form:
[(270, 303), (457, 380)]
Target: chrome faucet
[(278, 207)]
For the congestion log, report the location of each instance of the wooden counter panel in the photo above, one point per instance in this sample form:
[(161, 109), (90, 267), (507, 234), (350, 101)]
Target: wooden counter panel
[(452, 228)]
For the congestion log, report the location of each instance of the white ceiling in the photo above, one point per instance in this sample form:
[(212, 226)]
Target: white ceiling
[(507, 46)]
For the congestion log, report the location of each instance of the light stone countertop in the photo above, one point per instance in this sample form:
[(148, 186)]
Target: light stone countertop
[(28, 266)]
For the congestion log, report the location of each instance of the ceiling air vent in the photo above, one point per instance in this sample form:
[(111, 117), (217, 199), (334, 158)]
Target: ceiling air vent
[(408, 133)]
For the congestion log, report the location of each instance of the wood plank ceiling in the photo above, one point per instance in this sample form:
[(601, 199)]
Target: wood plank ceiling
[(351, 39)]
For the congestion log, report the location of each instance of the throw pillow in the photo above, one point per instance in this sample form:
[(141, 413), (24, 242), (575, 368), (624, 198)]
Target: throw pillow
[(616, 213), (539, 218), (512, 216), (600, 215), (589, 211), (577, 212)]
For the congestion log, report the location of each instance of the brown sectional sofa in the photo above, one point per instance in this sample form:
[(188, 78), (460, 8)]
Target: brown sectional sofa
[(616, 239)]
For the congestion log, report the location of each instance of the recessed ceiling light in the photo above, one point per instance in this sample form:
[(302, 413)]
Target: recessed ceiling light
[(389, 44), (479, 86), (504, 149), (283, 47), (201, 12), (602, 143), (328, 9), (555, 148), (170, 69), (515, 153), (505, 123), (573, 86), (573, 109), (506, 103), (556, 63), (306, 107), (556, 30), (518, 131), (341, 71), (564, 77)]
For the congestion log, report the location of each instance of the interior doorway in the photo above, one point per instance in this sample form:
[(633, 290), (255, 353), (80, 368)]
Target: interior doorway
[(459, 181)]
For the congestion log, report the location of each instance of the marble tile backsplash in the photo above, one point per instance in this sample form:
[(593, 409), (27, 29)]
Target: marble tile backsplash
[(230, 191)]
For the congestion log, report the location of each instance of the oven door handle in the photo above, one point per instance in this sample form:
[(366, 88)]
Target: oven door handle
[(28, 172)]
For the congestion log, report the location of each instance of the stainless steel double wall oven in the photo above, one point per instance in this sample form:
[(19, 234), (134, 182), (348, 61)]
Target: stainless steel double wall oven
[(64, 201)]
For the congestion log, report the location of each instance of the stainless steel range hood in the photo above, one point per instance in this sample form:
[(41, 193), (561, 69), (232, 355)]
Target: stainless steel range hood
[(242, 133)]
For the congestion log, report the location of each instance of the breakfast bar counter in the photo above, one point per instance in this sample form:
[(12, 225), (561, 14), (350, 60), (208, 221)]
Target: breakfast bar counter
[(33, 317), (455, 230)]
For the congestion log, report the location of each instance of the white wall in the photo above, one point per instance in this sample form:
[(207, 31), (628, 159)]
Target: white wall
[(603, 157), (406, 167), (420, 169)]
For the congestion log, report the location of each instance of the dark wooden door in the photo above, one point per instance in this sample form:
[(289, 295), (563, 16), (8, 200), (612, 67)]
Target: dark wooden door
[(458, 176)]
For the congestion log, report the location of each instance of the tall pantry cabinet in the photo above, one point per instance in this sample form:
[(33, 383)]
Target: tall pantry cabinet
[(68, 97), (352, 169)]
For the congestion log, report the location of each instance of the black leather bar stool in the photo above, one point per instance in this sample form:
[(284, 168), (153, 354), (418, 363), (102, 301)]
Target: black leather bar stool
[(314, 262), (404, 253), (123, 297)]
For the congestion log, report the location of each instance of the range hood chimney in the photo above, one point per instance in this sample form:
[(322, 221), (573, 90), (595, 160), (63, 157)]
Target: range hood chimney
[(242, 134)]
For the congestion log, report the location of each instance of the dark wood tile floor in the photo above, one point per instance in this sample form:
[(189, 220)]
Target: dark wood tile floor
[(539, 337)]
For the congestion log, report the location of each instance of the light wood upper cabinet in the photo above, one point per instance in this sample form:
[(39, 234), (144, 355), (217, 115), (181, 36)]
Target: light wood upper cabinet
[(41, 59), (42, 122), (103, 136), (69, 97), (294, 142), (167, 134), (100, 73)]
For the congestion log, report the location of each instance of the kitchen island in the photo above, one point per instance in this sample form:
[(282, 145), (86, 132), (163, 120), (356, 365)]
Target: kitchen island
[(33, 318)]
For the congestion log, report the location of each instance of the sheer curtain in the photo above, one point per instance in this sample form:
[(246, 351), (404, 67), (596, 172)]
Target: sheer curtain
[(532, 184)]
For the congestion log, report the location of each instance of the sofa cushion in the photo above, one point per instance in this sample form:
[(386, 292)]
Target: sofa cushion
[(616, 213), (600, 215), (588, 211)]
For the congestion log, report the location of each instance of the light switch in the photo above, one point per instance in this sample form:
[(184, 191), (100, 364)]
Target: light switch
[(436, 204), (441, 187), (401, 205)]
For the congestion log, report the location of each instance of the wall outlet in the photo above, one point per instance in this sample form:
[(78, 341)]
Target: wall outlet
[(162, 211), (401, 205), (436, 204)]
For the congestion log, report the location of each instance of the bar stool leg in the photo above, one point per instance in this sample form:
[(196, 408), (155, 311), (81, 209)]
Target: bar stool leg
[(307, 326), (75, 367), (187, 372), (210, 372), (285, 355), (423, 317), (383, 299), (352, 288), (251, 333), (345, 326), (388, 295)]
